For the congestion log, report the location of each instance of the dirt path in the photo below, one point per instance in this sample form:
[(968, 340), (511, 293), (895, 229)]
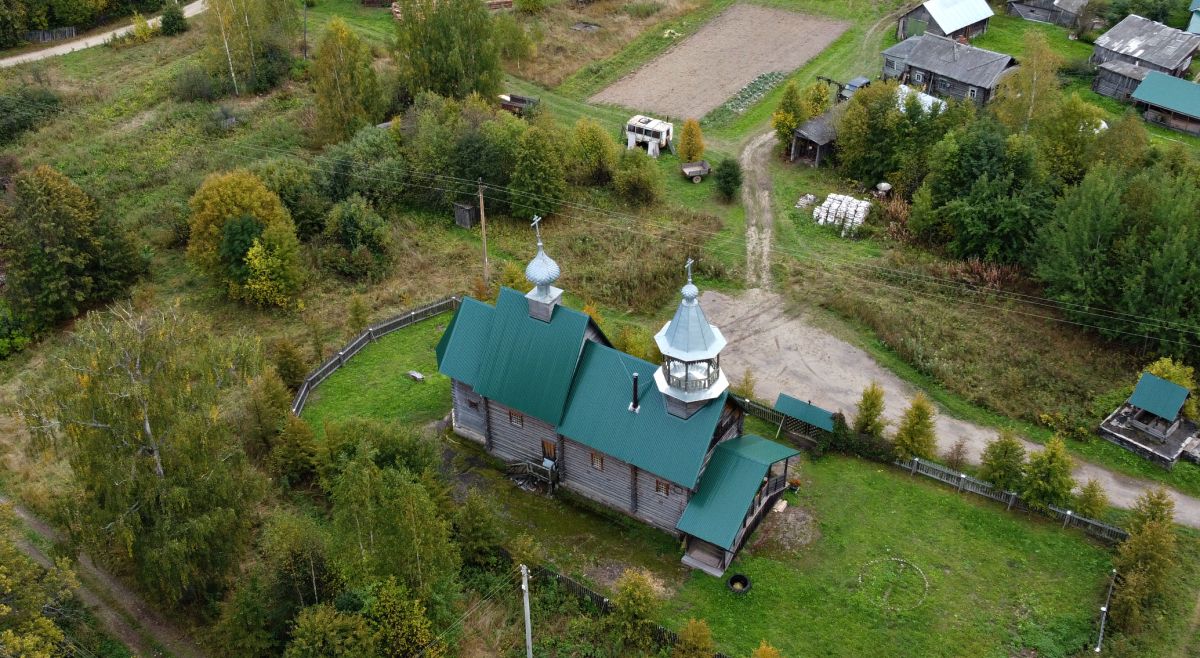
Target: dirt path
[(90, 41), (760, 217), (124, 614)]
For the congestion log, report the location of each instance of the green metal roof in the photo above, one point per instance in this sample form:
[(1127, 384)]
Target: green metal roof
[(598, 416), (1167, 92), (805, 411), (1158, 396), (1194, 23), (1194, 6), (462, 344), (728, 487), (529, 364)]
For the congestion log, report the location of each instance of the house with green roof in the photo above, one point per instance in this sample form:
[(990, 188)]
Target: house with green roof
[(1151, 422), (1169, 101), (539, 386)]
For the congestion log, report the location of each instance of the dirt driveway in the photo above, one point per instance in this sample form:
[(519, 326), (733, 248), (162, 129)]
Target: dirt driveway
[(788, 354), (707, 68)]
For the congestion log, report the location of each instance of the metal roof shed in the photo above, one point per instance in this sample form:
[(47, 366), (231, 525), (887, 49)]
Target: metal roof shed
[(1158, 396), (805, 412), (953, 15), (1170, 102)]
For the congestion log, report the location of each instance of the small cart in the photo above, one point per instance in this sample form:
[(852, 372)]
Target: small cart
[(696, 170)]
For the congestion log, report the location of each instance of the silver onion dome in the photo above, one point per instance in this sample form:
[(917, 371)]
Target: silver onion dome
[(542, 270)]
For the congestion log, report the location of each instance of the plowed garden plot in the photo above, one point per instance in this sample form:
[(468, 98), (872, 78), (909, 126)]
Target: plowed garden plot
[(722, 57)]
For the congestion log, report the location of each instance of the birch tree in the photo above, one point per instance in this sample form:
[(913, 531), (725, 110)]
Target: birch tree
[(1031, 88), (348, 96), (160, 481)]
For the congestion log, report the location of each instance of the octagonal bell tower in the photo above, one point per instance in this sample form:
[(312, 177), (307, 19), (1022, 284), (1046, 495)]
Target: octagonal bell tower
[(690, 375)]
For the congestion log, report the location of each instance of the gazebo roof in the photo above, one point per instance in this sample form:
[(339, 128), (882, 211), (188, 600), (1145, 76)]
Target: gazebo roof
[(1158, 396)]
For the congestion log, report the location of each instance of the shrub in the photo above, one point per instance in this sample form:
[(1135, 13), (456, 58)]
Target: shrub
[(642, 8), (321, 631), (530, 6), (1048, 476), (23, 108), (1091, 501), (744, 387), (275, 273), (358, 238), (634, 608), (1153, 506), (400, 625), (1003, 462), (1177, 372), (765, 650), (477, 529), (728, 174), (294, 455), (538, 179), (594, 152), (869, 420), (265, 405), (914, 436), (956, 456), (695, 641), (639, 180), (292, 180), (691, 142), (173, 21)]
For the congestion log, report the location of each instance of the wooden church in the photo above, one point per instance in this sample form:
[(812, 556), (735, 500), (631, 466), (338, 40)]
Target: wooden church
[(539, 386)]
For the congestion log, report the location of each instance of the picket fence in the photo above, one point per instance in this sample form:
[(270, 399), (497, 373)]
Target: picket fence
[(369, 335), (42, 36)]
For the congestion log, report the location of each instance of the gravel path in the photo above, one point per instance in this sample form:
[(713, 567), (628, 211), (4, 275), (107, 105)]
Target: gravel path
[(90, 41)]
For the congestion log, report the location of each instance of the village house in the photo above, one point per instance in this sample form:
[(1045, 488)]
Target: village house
[(946, 68), (1117, 79), (1169, 102), (1150, 45), (957, 19), (1059, 12), (539, 386), (1151, 422)]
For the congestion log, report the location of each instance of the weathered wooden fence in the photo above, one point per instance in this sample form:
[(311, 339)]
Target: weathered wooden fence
[(369, 335), (964, 482), (42, 36)]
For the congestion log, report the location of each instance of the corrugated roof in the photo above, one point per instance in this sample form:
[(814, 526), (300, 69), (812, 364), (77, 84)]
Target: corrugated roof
[(805, 411), (1171, 93), (1195, 6), (597, 415), (461, 347), (1149, 41), (529, 364), (947, 57), (954, 15), (821, 129), (1125, 69), (728, 487), (1158, 396), (1194, 24), (689, 335), (1071, 6)]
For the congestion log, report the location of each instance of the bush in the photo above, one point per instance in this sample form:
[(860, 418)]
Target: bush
[(530, 6), (869, 420), (292, 179), (642, 8), (639, 180), (477, 530), (13, 337), (634, 608), (691, 142), (193, 83), (956, 456), (914, 436), (594, 153), (1091, 501), (173, 21), (1048, 476), (294, 455), (358, 238), (285, 356), (23, 108), (1003, 462), (695, 641), (728, 174)]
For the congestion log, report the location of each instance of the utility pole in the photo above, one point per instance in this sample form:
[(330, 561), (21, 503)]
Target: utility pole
[(528, 630), (305, 3), (483, 228)]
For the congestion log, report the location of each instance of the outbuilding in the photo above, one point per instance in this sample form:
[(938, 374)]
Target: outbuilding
[(1151, 422), (957, 19), (1169, 102), (1118, 79), (1059, 12), (1146, 43)]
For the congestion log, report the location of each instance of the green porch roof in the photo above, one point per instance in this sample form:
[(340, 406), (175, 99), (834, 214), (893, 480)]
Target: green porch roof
[(727, 488), (1169, 93), (598, 416), (805, 411), (461, 347), (1194, 22), (529, 364), (1158, 396)]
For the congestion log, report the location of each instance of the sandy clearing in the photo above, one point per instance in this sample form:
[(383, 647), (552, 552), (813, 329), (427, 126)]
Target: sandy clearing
[(788, 354), (704, 70)]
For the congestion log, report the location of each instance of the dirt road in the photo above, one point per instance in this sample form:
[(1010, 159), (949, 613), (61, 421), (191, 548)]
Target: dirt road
[(789, 354), (124, 614), (90, 41)]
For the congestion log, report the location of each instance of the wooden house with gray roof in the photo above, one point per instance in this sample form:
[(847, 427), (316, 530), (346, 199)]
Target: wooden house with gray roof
[(539, 386), (943, 67), (957, 19), (1059, 12), (1148, 44)]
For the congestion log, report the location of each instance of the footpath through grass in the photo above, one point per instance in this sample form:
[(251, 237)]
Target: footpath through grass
[(998, 584)]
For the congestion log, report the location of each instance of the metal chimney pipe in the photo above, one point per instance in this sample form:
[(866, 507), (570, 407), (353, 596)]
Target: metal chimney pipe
[(634, 406)]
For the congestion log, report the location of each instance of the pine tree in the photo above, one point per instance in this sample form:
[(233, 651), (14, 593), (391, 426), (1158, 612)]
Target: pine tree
[(869, 420), (1003, 462), (477, 529), (1048, 478), (288, 362), (639, 180), (294, 455), (358, 314), (1151, 550), (695, 641), (1092, 501), (728, 174), (691, 142), (915, 435), (538, 180), (347, 90)]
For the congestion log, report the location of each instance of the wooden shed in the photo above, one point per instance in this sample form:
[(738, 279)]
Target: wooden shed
[(956, 19), (466, 215), (814, 140), (1151, 45), (1170, 102), (1059, 12), (1118, 79)]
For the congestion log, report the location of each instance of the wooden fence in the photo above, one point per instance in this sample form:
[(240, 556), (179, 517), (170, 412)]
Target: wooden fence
[(964, 482), (369, 335), (42, 36)]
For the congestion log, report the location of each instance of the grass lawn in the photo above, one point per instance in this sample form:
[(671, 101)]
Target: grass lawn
[(997, 583), (374, 383)]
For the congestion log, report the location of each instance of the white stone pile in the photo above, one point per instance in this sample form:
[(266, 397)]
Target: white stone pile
[(843, 211)]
